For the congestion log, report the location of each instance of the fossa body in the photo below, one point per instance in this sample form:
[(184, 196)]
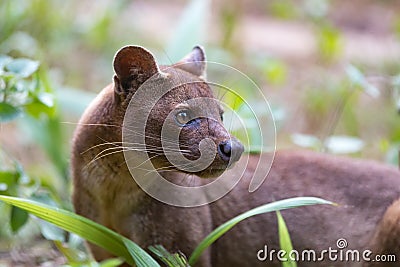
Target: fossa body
[(105, 192)]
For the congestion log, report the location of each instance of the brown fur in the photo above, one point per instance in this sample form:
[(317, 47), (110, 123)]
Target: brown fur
[(104, 190), (386, 238)]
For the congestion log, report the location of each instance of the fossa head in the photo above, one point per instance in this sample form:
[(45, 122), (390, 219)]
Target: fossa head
[(177, 119)]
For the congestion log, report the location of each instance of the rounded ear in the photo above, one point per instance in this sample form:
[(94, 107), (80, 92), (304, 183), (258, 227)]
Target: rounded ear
[(133, 65), (194, 62)]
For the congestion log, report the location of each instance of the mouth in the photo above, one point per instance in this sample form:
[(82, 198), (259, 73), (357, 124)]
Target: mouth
[(210, 173), (214, 170)]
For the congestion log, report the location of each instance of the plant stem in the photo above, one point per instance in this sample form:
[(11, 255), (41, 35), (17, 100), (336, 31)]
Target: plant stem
[(338, 112)]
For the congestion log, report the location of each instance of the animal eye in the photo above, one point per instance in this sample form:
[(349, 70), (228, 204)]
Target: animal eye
[(183, 117), (222, 116)]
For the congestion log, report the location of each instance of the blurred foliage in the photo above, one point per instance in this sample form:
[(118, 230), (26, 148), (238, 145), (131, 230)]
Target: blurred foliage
[(230, 20), (337, 102), (396, 27), (27, 96), (275, 71), (189, 31), (329, 42), (283, 9)]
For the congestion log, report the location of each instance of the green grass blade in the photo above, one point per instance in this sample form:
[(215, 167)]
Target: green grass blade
[(87, 229), (170, 260), (275, 206), (111, 263), (141, 257), (284, 241)]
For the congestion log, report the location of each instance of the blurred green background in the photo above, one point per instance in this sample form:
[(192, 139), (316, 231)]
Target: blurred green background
[(330, 70)]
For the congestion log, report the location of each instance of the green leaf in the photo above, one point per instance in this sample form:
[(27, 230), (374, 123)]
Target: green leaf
[(74, 241), (72, 255), (275, 72), (4, 60), (111, 263), (358, 78), (396, 27), (18, 218), (284, 241), (91, 231), (355, 75), (11, 178), (329, 41), (139, 255), (340, 144), (274, 206), (171, 260), (46, 99), (51, 232), (190, 29), (306, 140), (8, 179), (22, 67), (8, 112), (41, 103), (283, 9)]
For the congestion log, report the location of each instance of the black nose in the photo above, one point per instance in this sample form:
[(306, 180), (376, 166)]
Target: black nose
[(230, 150)]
